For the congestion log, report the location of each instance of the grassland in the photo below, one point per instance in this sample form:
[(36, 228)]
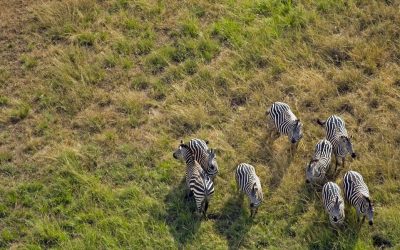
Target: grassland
[(95, 96)]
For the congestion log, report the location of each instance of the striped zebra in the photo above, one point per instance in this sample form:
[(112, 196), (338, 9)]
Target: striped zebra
[(285, 122), (206, 157), (199, 184), (248, 182), (333, 203), (336, 133), (357, 193), (319, 164)]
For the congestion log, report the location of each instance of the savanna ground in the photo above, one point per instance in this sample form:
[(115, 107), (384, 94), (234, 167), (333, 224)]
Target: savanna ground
[(96, 95)]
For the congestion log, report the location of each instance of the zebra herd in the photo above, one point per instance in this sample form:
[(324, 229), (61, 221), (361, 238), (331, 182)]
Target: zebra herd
[(202, 167)]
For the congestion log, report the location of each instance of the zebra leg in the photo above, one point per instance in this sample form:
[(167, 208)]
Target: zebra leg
[(188, 195), (358, 217), (274, 133), (205, 208), (293, 148), (336, 164), (363, 219), (343, 160)]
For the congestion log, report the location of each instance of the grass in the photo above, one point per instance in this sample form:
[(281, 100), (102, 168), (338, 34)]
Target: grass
[(96, 95)]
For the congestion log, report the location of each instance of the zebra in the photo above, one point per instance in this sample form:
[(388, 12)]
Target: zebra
[(248, 182), (319, 164), (357, 193), (198, 182), (333, 203), (336, 134), (206, 157), (285, 122)]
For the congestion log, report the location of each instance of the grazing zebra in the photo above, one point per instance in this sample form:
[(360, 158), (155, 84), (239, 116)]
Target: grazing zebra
[(285, 122), (336, 134), (206, 157), (200, 185), (319, 164), (357, 193), (248, 182), (333, 203)]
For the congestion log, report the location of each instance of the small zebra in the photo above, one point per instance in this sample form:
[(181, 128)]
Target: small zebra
[(319, 164), (333, 203), (199, 184), (248, 182), (206, 157), (336, 134), (357, 193), (285, 122)]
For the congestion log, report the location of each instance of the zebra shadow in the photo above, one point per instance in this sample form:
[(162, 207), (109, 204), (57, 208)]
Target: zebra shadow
[(308, 195), (181, 215), (320, 234), (277, 160), (234, 222)]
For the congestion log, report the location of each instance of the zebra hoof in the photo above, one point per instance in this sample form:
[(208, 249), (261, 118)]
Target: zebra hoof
[(353, 155)]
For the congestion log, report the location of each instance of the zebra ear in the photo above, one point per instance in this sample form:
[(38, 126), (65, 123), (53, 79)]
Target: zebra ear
[(255, 188), (182, 142), (206, 141)]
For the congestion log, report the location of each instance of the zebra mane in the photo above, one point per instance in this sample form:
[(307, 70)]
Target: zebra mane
[(183, 145)]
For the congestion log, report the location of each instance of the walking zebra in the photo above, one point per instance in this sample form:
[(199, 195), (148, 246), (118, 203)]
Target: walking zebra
[(333, 203), (206, 157), (319, 164), (285, 122), (336, 134), (357, 193), (199, 184), (248, 182)]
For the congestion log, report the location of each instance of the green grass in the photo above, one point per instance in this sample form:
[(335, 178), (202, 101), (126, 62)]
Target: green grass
[(96, 95)]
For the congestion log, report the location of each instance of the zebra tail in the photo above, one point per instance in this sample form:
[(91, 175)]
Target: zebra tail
[(321, 123)]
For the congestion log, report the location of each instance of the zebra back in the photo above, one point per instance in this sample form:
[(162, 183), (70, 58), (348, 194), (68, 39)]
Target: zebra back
[(320, 162), (202, 187), (357, 193), (333, 203), (204, 156), (285, 121), (249, 183), (336, 133)]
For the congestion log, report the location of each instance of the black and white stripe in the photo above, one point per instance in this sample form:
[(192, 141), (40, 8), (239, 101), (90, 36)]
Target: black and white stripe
[(336, 133), (248, 182), (357, 193), (319, 164), (206, 157), (333, 203), (285, 121), (199, 183)]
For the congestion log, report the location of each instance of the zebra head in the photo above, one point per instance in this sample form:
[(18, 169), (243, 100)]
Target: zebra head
[(296, 133), (181, 152), (369, 210), (313, 171), (336, 214), (345, 143), (256, 197), (212, 163)]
